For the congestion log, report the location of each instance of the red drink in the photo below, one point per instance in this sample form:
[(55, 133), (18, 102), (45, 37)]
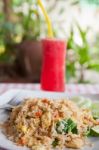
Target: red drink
[(53, 69)]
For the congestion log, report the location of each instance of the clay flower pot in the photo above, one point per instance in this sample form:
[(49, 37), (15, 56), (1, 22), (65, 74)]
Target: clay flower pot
[(29, 59)]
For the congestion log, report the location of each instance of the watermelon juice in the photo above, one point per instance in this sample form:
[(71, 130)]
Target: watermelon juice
[(53, 68)]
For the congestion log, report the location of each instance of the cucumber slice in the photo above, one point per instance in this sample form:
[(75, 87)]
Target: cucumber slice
[(82, 102), (94, 131)]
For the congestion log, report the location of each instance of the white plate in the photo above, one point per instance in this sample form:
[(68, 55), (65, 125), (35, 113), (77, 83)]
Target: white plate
[(6, 97)]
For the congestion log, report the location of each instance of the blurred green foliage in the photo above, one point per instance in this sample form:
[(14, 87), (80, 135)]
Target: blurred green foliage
[(25, 20), (29, 21), (24, 23), (81, 55)]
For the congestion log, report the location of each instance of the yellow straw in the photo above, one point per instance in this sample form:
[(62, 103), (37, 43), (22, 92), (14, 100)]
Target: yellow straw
[(50, 31)]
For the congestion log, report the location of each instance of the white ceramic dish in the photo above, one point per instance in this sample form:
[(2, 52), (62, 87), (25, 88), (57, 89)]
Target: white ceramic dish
[(7, 96)]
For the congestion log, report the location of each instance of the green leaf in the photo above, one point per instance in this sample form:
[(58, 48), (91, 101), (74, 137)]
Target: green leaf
[(94, 66), (55, 142), (60, 125), (70, 41), (94, 131), (87, 133), (83, 33), (66, 126), (72, 127), (70, 70), (75, 130)]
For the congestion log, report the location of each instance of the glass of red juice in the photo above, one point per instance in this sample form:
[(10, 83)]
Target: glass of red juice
[(53, 67)]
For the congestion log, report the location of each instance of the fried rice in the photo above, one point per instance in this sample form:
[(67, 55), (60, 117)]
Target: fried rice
[(44, 124)]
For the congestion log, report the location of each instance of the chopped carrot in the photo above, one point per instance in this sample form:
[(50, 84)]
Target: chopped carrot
[(45, 101), (56, 114), (22, 141), (38, 113)]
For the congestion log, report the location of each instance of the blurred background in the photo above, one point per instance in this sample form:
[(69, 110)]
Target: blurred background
[(22, 25)]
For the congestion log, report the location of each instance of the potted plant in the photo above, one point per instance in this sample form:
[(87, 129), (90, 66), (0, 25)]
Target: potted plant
[(20, 37), (29, 50)]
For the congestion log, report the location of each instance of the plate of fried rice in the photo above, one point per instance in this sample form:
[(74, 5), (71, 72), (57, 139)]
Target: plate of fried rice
[(46, 121)]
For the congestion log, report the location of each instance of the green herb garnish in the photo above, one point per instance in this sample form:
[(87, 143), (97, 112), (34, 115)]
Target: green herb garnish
[(94, 131), (66, 126), (87, 133), (55, 142)]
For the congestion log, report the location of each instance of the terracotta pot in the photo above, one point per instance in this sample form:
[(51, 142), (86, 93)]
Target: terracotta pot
[(29, 59)]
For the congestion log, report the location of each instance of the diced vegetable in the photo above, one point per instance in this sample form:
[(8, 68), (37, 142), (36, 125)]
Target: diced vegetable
[(66, 126), (55, 142), (45, 101), (94, 131), (38, 113), (87, 133), (61, 126), (22, 141), (72, 127)]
